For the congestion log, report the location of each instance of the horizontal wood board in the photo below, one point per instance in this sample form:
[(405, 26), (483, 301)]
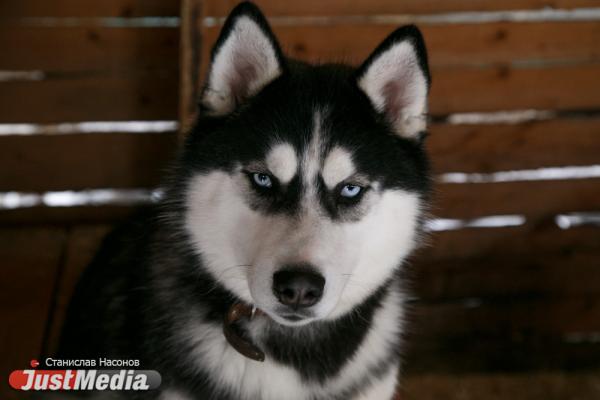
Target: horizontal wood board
[(366, 7)]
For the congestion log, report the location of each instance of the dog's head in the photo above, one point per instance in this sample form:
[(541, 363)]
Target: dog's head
[(305, 184)]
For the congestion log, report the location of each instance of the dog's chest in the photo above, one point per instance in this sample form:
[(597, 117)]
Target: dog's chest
[(244, 378), (247, 379)]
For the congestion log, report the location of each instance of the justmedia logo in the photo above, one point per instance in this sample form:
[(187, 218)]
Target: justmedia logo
[(84, 380)]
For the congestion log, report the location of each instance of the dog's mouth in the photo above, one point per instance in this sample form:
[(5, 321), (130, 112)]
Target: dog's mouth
[(293, 317)]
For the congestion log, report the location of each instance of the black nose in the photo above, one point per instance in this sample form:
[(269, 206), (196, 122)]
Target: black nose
[(298, 287)]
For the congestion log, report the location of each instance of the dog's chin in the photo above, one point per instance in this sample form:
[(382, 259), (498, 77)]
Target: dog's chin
[(291, 320)]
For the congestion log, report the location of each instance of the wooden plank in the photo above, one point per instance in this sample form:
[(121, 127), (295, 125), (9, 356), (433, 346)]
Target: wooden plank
[(30, 262), (60, 49), (502, 42), (83, 243), (533, 260), (531, 238), (191, 48), (55, 162), (529, 319), (549, 385), (138, 97), (448, 45), (365, 7), (489, 148), (535, 199), (546, 274), (78, 8), (504, 88)]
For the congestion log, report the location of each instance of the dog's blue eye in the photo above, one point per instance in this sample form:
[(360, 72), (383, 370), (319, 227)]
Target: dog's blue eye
[(262, 180), (350, 191)]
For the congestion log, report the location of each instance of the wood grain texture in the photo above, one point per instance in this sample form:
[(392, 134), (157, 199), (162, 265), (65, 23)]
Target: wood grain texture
[(532, 274), (506, 88), (59, 162), (504, 147), (78, 8), (535, 199), (190, 57), (135, 97), (537, 238), (366, 7), (534, 260), (74, 49)]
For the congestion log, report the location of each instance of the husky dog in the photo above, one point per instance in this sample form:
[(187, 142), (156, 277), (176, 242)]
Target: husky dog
[(298, 195)]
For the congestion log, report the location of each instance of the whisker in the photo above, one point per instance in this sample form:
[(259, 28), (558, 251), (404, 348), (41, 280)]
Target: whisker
[(222, 275)]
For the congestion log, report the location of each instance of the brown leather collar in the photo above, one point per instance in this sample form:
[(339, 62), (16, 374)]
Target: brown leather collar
[(236, 312)]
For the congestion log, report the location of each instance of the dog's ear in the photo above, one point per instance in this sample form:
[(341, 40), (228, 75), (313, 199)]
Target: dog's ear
[(396, 80), (245, 58)]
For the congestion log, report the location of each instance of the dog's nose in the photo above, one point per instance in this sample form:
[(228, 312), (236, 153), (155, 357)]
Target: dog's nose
[(298, 287)]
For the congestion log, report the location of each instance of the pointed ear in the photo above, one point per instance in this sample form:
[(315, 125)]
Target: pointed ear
[(396, 80), (245, 58)]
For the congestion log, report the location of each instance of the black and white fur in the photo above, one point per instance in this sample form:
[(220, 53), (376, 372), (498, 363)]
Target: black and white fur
[(160, 286)]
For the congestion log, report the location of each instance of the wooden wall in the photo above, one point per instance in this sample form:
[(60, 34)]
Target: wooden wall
[(487, 299), (70, 62)]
